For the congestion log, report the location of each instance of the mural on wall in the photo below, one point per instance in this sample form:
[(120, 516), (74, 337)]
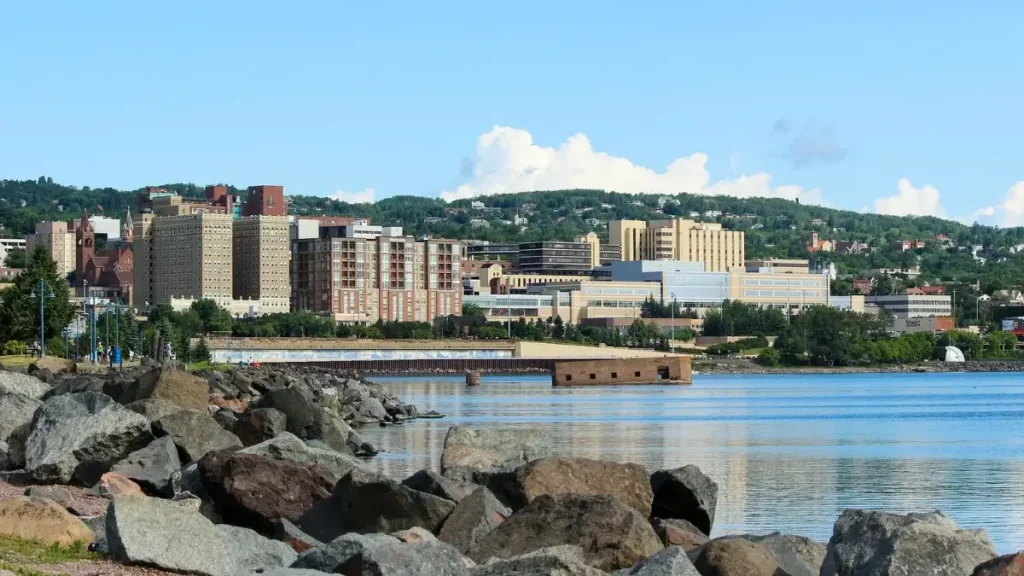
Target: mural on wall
[(236, 356)]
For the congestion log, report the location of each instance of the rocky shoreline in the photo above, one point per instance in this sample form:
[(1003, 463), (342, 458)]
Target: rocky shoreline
[(745, 366), (264, 472)]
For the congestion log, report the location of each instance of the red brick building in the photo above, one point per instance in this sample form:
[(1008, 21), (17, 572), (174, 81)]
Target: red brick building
[(265, 201), (111, 270)]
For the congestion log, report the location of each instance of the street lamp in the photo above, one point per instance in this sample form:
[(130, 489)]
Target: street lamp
[(673, 337), (44, 294)]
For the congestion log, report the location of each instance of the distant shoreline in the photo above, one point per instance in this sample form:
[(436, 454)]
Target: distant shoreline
[(737, 366)]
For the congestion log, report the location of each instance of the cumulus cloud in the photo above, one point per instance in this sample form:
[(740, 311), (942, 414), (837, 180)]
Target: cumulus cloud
[(815, 143), (364, 197), (507, 160), (911, 201), (1009, 212)]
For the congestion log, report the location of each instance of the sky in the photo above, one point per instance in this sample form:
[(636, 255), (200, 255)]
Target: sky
[(905, 107)]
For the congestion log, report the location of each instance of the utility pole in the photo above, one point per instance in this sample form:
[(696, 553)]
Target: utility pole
[(43, 295), (508, 311)]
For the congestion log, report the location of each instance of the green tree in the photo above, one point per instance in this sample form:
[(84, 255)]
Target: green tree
[(201, 352), (19, 310), (558, 328), (769, 357), (15, 258)]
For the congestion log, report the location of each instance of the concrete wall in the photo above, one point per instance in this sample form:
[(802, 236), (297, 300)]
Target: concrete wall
[(548, 350), (675, 369)]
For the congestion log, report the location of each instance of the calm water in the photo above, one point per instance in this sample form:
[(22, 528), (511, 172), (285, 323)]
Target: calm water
[(789, 452)]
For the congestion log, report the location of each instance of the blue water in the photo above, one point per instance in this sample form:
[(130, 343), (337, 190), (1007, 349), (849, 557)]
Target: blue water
[(789, 453)]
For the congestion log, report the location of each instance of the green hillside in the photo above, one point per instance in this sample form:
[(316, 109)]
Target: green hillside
[(774, 227)]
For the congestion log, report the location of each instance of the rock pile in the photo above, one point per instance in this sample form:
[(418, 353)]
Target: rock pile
[(266, 478)]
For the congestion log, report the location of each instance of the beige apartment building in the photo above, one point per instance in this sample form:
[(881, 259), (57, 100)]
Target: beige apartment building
[(191, 258), (680, 240), (260, 255), (59, 240), (361, 280)]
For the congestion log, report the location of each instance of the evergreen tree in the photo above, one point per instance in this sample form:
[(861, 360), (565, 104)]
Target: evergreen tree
[(19, 310), (201, 352)]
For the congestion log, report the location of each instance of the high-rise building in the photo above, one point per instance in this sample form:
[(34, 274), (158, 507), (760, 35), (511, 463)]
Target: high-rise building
[(260, 258), (265, 201), (680, 240), (143, 248), (190, 257), (59, 240), (366, 279)]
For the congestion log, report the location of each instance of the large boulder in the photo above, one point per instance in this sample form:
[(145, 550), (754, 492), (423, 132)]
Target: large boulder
[(80, 436), (433, 483), (735, 557), (671, 561), (675, 532), (253, 552), (870, 543), (154, 408), (491, 457), (52, 364), (472, 519), (160, 533), (79, 383), (18, 383), (289, 447), (254, 491), (152, 467), (306, 418), (195, 434), (330, 557), (259, 425), (612, 534), (1009, 565), (685, 493), (364, 501), (15, 410), (795, 555), (292, 535), (185, 390), (43, 520), (434, 558), (630, 483), (553, 561)]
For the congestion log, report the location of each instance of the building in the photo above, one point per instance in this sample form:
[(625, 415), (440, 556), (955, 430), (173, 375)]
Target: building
[(922, 290), (106, 227), (862, 285), (160, 202), (908, 272), (553, 257), (488, 251), (907, 245), (362, 280), (679, 240), (852, 247), (111, 270), (59, 240), (9, 244), (7, 276), (913, 305), (780, 265), (187, 256), (818, 244), (930, 324), (260, 252), (265, 201)]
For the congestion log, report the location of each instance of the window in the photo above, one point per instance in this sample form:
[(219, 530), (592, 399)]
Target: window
[(636, 374), (568, 377), (593, 376), (615, 374)]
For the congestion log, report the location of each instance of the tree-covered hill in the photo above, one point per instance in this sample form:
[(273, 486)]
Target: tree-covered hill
[(774, 227)]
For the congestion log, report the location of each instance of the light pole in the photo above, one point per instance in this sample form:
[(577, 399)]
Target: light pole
[(673, 316), (508, 312), (44, 293)]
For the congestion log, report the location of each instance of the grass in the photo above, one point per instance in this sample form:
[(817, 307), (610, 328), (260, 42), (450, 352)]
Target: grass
[(199, 366), (17, 361), (16, 554)]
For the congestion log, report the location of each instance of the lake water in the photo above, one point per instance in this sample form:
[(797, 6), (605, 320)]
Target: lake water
[(789, 453)]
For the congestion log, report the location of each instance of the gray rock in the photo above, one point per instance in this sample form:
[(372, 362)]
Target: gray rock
[(358, 445), (81, 436), (612, 534), (472, 519), (227, 419), (154, 532), (364, 501), (331, 556), (414, 535), (79, 383), (371, 410), (292, 572), (5, 459), (253, 552), (671, 561), (16, 446), (154, 408), (685, 493), (287, 446), (307, 419), (490, 449), (870, 543), (18, 383), (797, 555), (152, 467), (433, 483), (195, 434), (58, 494), (98, 525), (16, 410), (292, 535), (260, 424), (554, 561), (434, 558), (191, 502)]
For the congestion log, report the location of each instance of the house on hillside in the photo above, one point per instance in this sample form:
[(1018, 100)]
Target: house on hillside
[(1010, 296), (927, 291), (820, 245), (478, 223), (862, 285), (851, 247), (943, 240), (818, 222), (476, 205), (905, 245)]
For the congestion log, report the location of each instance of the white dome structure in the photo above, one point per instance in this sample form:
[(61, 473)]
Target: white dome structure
[(954, 354)]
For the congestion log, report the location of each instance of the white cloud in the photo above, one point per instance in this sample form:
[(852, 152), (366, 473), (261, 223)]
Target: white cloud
[(507, 160), (911, 201), (1010, 212), (364, 197)]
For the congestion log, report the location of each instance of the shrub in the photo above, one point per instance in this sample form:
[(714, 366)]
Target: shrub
[(769, 357)]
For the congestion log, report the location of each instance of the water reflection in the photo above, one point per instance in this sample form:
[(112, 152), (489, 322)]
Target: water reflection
[(788, 452)]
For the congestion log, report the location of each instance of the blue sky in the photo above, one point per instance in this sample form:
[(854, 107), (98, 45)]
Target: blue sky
[(905, 107)]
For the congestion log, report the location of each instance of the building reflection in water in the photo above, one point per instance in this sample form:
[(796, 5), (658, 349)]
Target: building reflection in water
[(788, 454)]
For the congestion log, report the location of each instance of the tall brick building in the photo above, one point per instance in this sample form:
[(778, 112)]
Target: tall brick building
[(265, 201)]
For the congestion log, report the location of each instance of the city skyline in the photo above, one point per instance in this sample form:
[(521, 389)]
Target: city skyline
[(904, 109)]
